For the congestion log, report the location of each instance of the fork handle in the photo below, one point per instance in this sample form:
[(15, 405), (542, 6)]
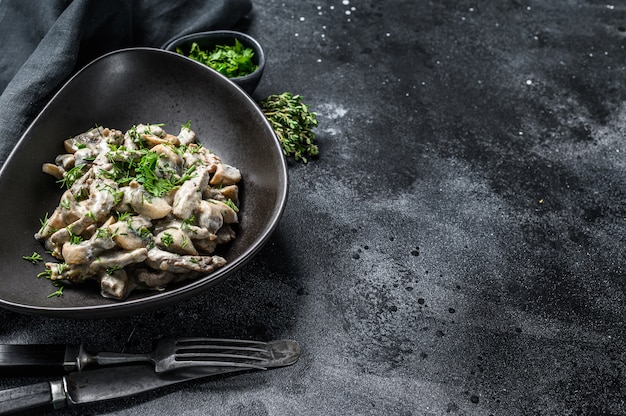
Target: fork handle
[(116, 358)]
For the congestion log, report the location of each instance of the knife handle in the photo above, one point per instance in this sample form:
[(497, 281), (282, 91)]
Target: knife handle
[(33, 398), (40, 359)]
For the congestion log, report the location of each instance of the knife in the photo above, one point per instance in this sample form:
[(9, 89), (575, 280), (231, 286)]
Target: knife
[(107, 383), (41, 359)]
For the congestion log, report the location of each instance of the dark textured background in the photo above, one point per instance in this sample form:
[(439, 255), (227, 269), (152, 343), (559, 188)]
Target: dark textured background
[(458, 246)]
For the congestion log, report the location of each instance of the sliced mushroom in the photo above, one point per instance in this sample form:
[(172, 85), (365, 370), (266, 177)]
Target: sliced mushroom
[(53, 170), (225, 175), (155, 279), (176, 241), (147, 205), (186, 136), (227, 212), (117, 259), (190, 194), (164, 260), (115, 285), (198, 155), (169, 161), (87, 250), (229, 192), (209, 216), (103, 196), (128, 237)]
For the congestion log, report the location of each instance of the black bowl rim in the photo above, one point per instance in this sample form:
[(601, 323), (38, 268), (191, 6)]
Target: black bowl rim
[(133, 306), (169, 45)]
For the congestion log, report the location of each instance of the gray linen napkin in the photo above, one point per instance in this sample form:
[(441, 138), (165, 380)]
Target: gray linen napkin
[(45, 41)]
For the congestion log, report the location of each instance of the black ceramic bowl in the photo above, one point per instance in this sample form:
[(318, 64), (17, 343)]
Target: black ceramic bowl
[(119, 90), (209, 40)]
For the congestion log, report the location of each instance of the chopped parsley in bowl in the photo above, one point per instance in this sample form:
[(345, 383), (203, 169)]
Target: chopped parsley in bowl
[(236, 55)]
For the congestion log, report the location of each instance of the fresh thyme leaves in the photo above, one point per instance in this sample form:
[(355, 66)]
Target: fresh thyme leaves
[(293, 123), (34, 258), (231, 61)]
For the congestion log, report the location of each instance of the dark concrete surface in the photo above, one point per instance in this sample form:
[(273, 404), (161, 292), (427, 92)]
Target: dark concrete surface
[(458, 246)]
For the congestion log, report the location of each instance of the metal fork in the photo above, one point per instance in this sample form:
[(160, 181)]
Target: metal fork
[(171, 354)]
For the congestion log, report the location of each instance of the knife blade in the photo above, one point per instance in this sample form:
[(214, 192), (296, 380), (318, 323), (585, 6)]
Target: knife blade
[(107, 383)]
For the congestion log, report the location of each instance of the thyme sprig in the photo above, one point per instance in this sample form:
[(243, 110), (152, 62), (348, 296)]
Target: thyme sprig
[(293, 124)]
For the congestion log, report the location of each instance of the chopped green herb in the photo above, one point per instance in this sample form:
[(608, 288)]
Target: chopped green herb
[(106, 233), (167, 239), (61, 268), (34, 258), (74, 238), (231, 61), (188, 222), (112, 269), (44, 221), (59, 291), (293, 123), (144, 233), (72, 176), (232, 205), (143, 166), (46, 273)]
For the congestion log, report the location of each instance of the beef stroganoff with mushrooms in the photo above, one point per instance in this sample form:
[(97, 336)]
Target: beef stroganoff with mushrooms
[(141, 209)]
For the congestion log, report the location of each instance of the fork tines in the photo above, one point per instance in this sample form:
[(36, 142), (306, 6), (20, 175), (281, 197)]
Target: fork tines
[(223, 352)]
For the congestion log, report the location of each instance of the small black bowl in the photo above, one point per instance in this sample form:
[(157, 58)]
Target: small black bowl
[(209, 40)]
